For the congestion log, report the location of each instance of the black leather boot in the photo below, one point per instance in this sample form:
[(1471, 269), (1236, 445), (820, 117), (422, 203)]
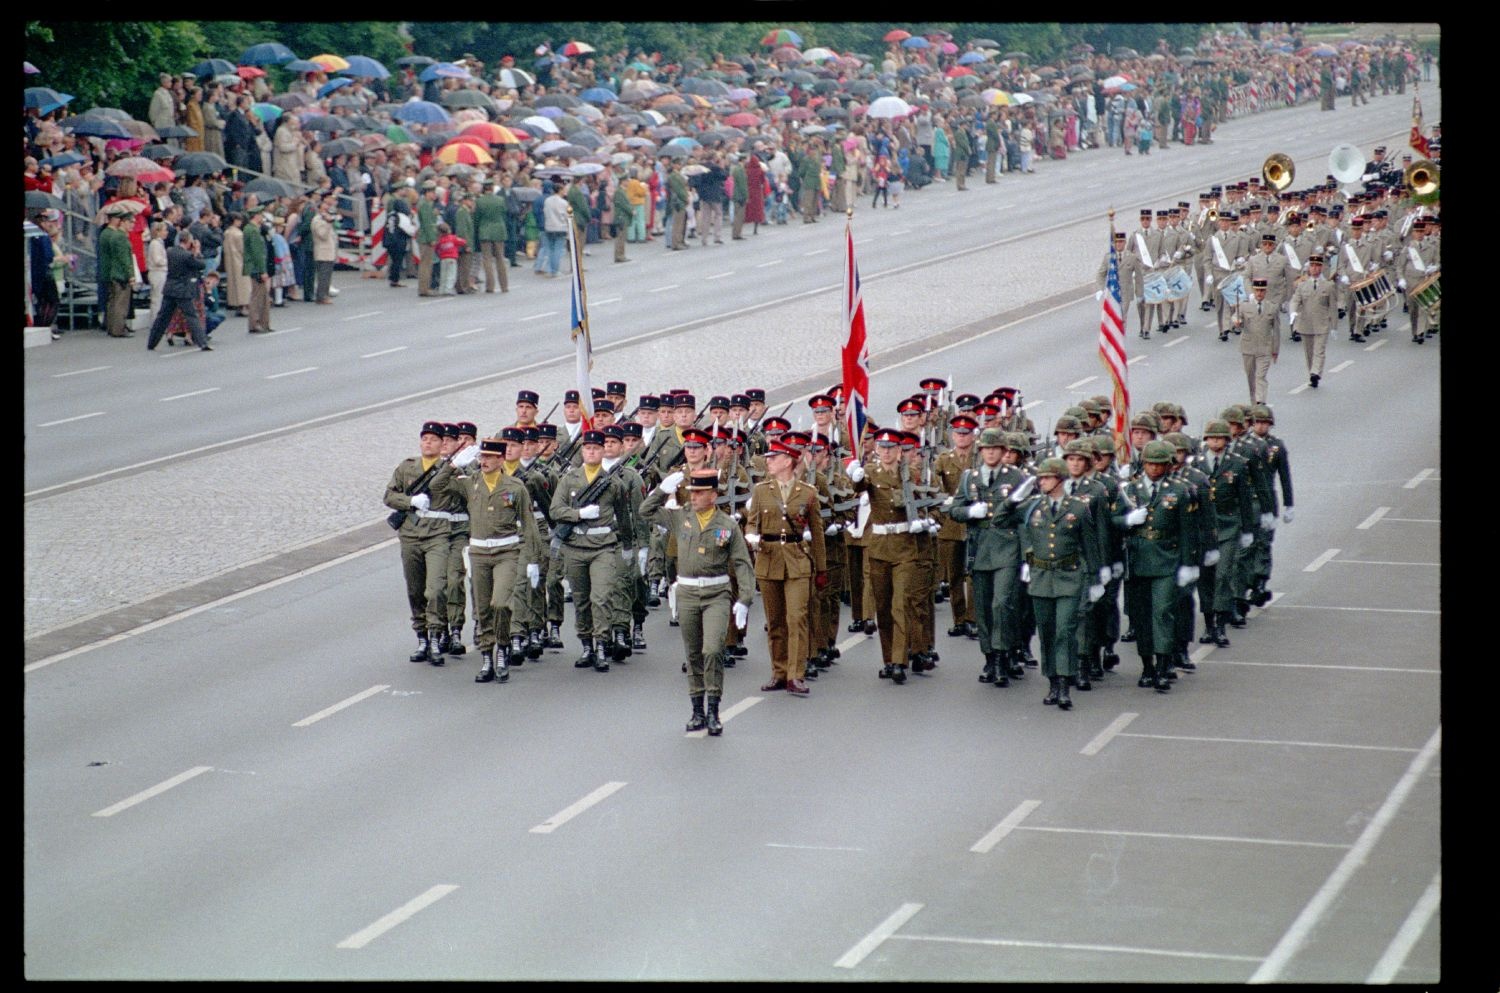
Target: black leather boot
[(456, 641), (1129, 634), (534, 645), (502, 664), (554, 637), (810, 669), (1027, 658), (638, 638), (1163, 673), (1183, 662), (1082, 680), (1220, 638), (487, 666), (886, 671), (587, 659), (697, 722), (1148, 675), (1210, 626), (899, 676), (622, 644), (855, 626), (833, 653), (1237, 615), (424, 647), (1064, 702), (1002, 668), (1110, 659), (988, 675), (517, 650), (714, 727), (437, 638), (601, 655), (1051, 697), (1018, 664)]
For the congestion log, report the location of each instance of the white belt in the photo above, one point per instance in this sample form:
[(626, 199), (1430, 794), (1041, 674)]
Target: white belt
[(594, 531), (901, 528), (441, 515), (539, 515), (703, 580), (505, 542), (455, 516)]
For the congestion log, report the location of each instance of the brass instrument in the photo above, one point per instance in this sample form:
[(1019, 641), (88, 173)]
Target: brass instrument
[(1422, 178), (1278, 171), (1346, 163)]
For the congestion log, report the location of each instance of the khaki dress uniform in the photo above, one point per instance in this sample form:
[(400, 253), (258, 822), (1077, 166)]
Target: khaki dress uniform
[(424, 545), (1413, 263), (456, 586), (953, 537), (790, 553), (1273, 269), (838, 515), (1315, 313), (891, 564), (591, 553), (1260, 342), (503, 538), (529, 604), (1233, 245)]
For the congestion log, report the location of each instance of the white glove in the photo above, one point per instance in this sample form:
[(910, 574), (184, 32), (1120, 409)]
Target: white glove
[(1430, 270), (833, 528), (753, 540), (1401, 285), (1162, 260), (1268, 522), (1239, 260), (1386, 255), (1286, 515), (467, 456), (1211, 557), (533, 574), (1177, 254), (1098, 294), (1343, 280), (855, 472), (1020, 492), (672, 503), (1117, 570), (1136, 517), (1025, 572), (1247, 539), (806, 535), (640, 561), (589, 513), (741, 615), (1104, 573), (1123, 470), (625, 556), (978, 511), (1096, 593), (1293, 318), (421, 501), (1187, 574), (671, 482)]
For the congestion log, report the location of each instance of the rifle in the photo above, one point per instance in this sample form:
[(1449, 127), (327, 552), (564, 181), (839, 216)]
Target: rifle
[(565, 453), (398, 517), (589, 494), (549, 413)]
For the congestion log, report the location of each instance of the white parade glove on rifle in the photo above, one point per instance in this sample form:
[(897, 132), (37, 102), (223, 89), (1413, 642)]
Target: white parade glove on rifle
[(855, 472), (1025, 572), (741, 615), (533, 574), (753, 540), (421, 501), (1021, 492), (978, 511), (640, 561), (589, 513)]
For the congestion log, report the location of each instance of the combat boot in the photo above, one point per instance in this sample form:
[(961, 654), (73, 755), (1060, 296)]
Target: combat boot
[(1082, 681), (1210, 629), (487, 668), (534, 645), (601, 655), (553, 638), (638, 638), (587, 659), (622, 644), (456, 642), (1183, 662), (1064, 702), (1220, 638), (1052, 694), (1110, 659), (502, 664), (517, 650), (424, 649), (1237, 615), (1163, 671), (714, 727), (1018, 664), (437, 642), (887, 671), (1148, 675), (899, 676), (990, 665), (697, 722)]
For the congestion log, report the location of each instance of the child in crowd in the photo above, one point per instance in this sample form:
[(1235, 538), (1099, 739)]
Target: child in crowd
[(449, 245)]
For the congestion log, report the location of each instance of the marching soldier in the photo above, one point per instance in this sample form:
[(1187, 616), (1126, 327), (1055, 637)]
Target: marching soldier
[(1196, 482), (628, 611), (1419, 259), (529, 602), (424, 537), (1227, 251), (1313, 313), (837, 517), (1145, 245), (710, 547), (920, 602), (1260, 342), (1060, 546), (1279, 471), (503, 537), (599, 529), (1078, 458), (1270, 265), (952, 538), (1232, 502), (1161, 553), (782, 524), (461, 448), (1255, 453)]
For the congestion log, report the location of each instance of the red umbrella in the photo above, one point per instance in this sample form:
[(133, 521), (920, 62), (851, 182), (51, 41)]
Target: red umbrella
[(134, 166), (465, 153), (785, 53), (477, 140), (250, 72), (796, 114), (948, 48), (161, 175), (897, 35), (954, 71), (744, 119)]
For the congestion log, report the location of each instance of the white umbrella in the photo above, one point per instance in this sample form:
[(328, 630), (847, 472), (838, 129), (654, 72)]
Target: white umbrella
[(586, 169), (888, 107), (514, 79), (656, 116), (818, 54), (621, 158), (1114, 81), (1020, 98), (545, 123)]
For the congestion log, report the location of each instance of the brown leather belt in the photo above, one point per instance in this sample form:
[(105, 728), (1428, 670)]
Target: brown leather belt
[(1067, 563)]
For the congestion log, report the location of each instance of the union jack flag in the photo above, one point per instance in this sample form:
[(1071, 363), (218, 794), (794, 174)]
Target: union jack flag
[(1112, 351), (856, 350)]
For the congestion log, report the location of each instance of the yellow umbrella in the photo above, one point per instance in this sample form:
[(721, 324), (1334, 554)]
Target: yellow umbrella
[(1000, 99), (330, 62)]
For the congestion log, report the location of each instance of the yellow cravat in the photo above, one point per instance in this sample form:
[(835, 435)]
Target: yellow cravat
[(492, 479), (428, 463), (704, 516), (590, 472)]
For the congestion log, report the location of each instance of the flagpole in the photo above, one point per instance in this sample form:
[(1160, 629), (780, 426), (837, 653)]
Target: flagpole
[(584, 359), (1122, 413)]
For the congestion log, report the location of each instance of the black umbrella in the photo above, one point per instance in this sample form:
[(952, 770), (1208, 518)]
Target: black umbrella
[(587, 137), (200, 164), (415, 60), (290, 101), (862, 87), (675, 107), (1078, 67), (326, 122), (212, 67), (825, 86), (563, 100), (467, 98), (37, 200), (342, 146), (176, 131), (704, 87), (830, 112), (800, 77), (911, 71), (98, 127), (158, 153), (266, 186)]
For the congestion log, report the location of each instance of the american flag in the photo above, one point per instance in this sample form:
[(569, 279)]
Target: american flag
[(579, 323), (1112, 350), (856, 351)]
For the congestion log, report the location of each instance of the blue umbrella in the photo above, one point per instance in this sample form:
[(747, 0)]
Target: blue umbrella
[(301, 65), (44, 98), (334, 84), (65, 159), (916, 41), (211, 67), (551, 111), (98, 127), (969, 58), (267, 53), (421, 112), (684, 142), (599, 94), (444, 70), (363, 65), (550, 60), (908, 72)]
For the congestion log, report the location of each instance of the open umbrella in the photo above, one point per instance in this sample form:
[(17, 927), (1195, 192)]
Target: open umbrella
[(372, 142), (912, 71), (577, 48), (639, 143), (303, 65), (266, 54), (462, 151), (211, 67), (493, 134), (955, 71), (586, 168), (44, 98), (587, 137), (176, 131), (327, 123), (249, 72), (345, 101), (744, 119), (468, 98), (996, 98), (969, 58), (291, 101), (786, 53), (1020, 98), (985, 43), (334, 84), (443, 70), (266, 186), (916, 41), (29, 69), (140, 129), (542, 123), (1017, 57), (782, 36), (63, 160), (896, 35), (833, 112), (363, 65), (796, 114), (515, 79), (200, 164), (563, 101), (598, 95), (818, 54), (421, 112), (132, 166), (888, 107), (1115, 81), (674, 152), (415, 60), (342, 146), (330, 62), (159, 153), (699, 86)]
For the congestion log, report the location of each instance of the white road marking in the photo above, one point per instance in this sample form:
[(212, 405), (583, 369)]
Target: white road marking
[(1265, 741), (1342, 668), (1296, 936), (285, 330), (1432, 565), (562, 817), (1085, 380), (902, 231), (1373, 519), (1186, 837), (440, 298), (360, 939), (815, 251), (1073, 947), (1418, 479), (1342, 366), (663, 289), (357, 317), (460, 334), (1411, 929), (1371, 348), (195, 393), (815, 848), (1202, 653), (1361, 610), (1177, 340), (1413, 520), (1005, 206), (719, 275), (1138, 358), (294, 372), (872, 941), (728, 715), (145, 795), (351, 701), (1005, 827), (863, 241), (1320, 561), (765, 265), (1104, 737), (80, 372), (537, 317), (70, 420), (386, 351), (849, 643), (1298, 389), (600, 303)]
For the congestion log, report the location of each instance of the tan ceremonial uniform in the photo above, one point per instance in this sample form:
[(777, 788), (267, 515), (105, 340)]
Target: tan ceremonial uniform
[(790, 553), (952, 539), (1314, 306), (1260, 342), (890, 561)]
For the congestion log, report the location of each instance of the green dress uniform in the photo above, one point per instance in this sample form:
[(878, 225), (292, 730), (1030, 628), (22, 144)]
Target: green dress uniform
[(629, 610), (1233, 507), (492, 231), (1195, 482), (118, 270), (1158, 553), (1278, 471), (529, 603), (424, 550), (660, 453), (256, 266), (591, 560), (995, 567), (1060, 545), (427, 236), (503, 538), (790, 555), (707, 556), (1254, 452)]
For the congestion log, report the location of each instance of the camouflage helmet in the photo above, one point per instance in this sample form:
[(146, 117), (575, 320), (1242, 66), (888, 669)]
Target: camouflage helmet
[(1080, 446), (1158, 451), (1234, 414), (1052, 467), (1078, 411), (991, 438), (1104, 444), (1162, 408), (1178, 440), (1069, 423), (1261, 412), (1090, 407), (1217, 429), (1017, 441), (1146, 420), (1103, 401)]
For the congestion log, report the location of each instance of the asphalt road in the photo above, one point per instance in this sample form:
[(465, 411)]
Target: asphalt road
[(1274, 817), (380, 346)]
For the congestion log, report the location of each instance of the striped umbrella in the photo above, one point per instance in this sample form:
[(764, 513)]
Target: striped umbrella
[(465, 153)]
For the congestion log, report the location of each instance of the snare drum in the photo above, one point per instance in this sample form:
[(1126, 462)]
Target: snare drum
[(1428, 294), (1179, 284)]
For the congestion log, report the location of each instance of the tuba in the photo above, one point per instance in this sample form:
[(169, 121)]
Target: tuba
[(1278, 171), (1422, 178), (1346, 163)]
